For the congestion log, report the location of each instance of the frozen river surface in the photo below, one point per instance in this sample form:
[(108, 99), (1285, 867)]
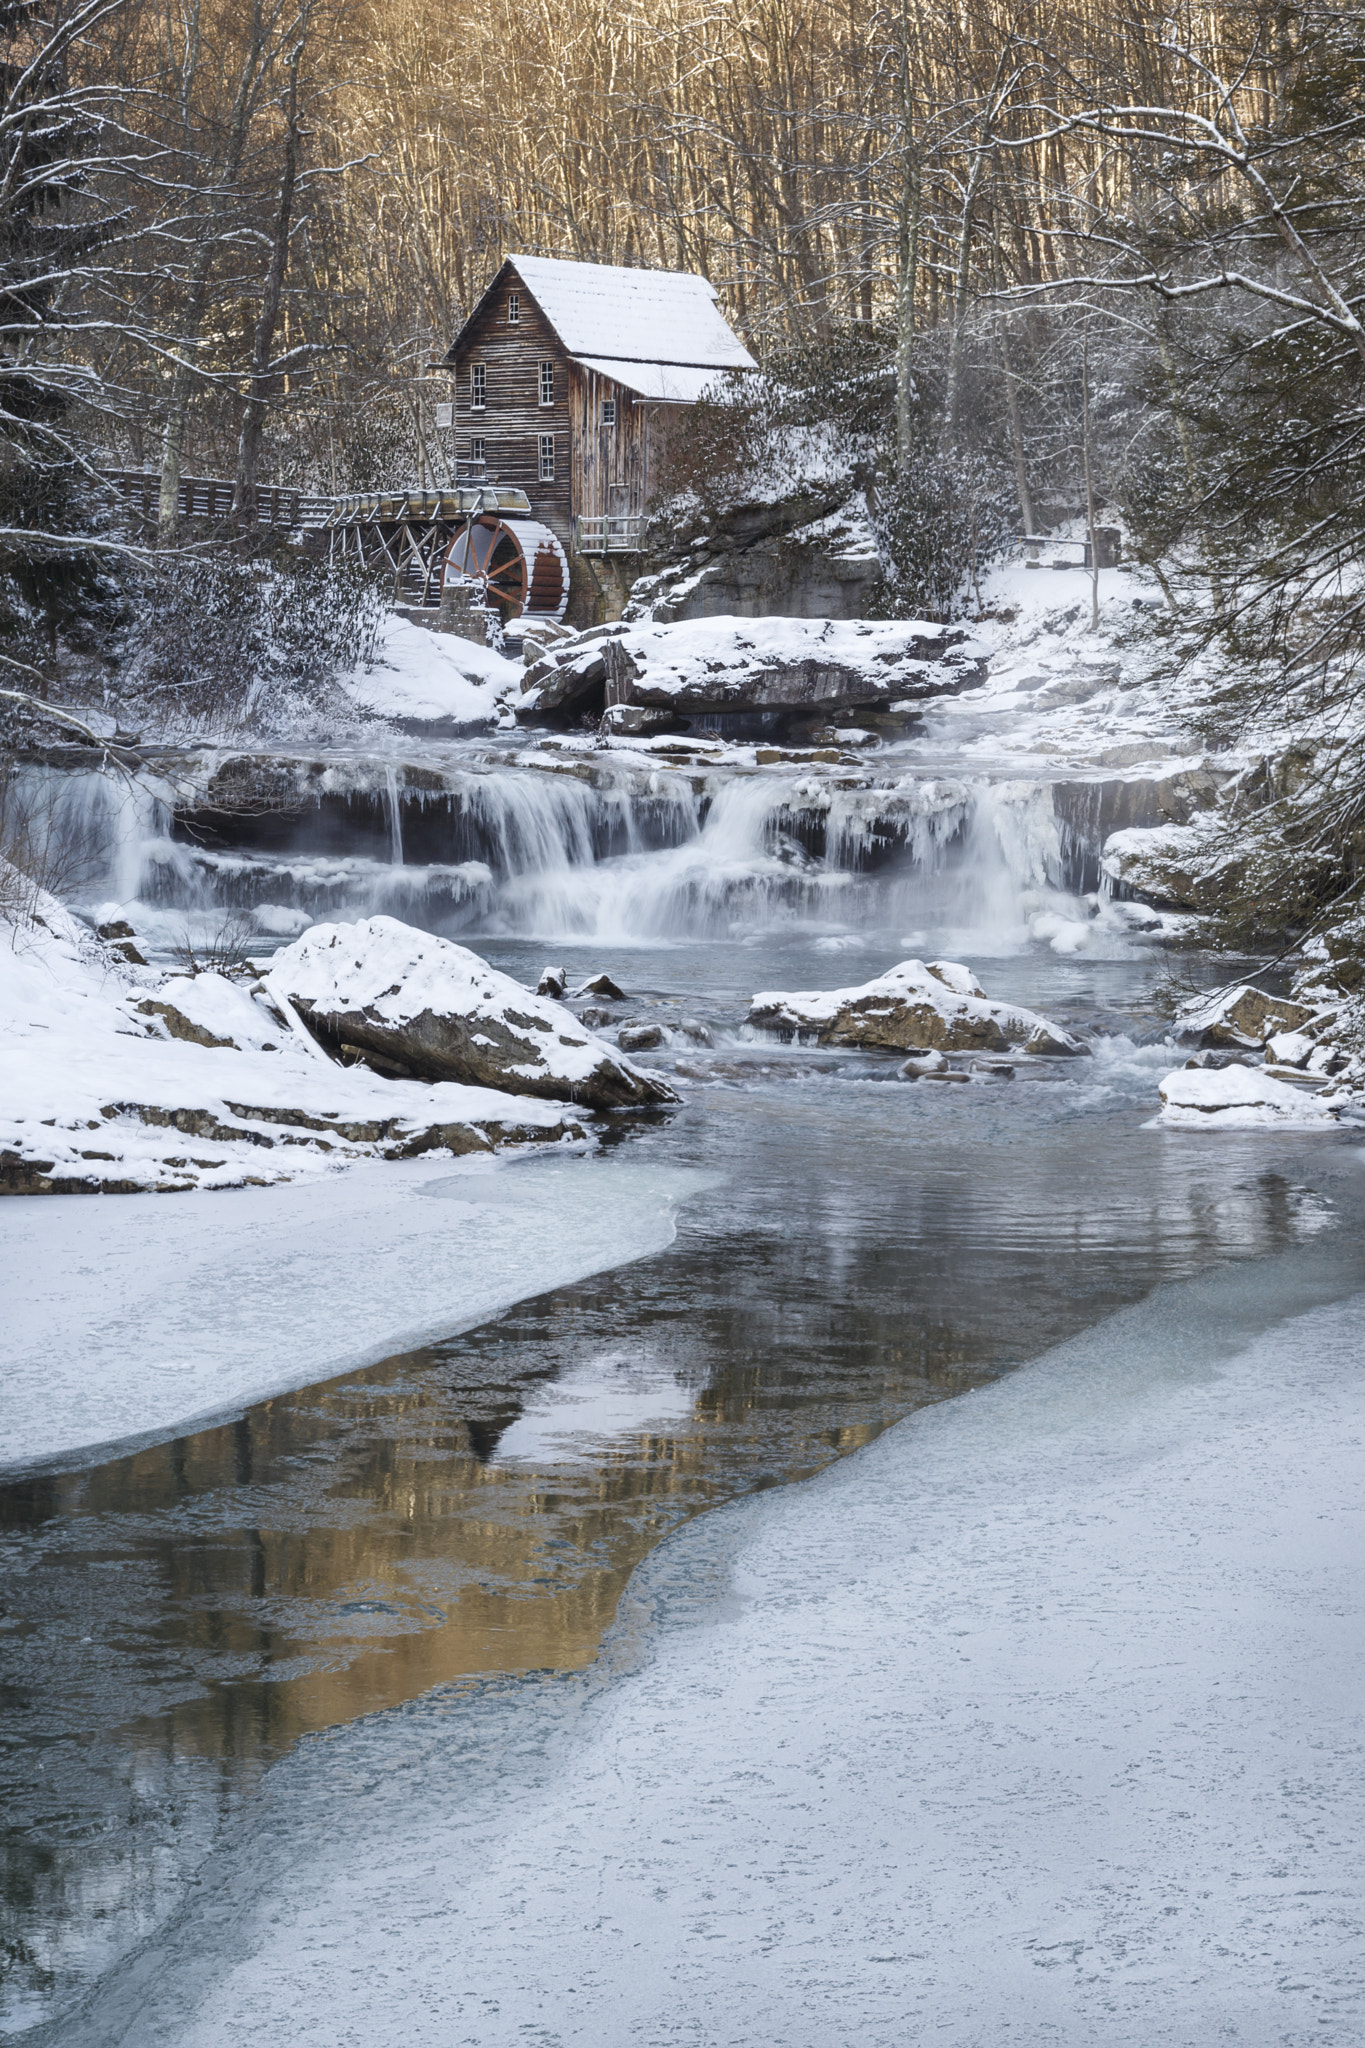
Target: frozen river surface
[(1040, 1720)]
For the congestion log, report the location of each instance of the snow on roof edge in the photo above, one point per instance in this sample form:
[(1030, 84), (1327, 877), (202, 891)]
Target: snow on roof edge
[(648, 316)]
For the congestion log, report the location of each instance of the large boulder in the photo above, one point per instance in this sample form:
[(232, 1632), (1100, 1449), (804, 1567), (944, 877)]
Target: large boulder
[(1184, 867), (806, 665), (422, 1006), (827, 568), (913, 1007), (1239, 1098)]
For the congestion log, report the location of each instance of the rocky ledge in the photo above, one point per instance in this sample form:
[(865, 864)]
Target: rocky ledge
[(654, 675), (120, 1080)]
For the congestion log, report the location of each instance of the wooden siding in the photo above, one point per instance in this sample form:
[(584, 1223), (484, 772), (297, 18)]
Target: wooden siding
[(610, 465), (514, 419)]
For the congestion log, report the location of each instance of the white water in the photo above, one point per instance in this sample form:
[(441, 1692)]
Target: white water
[(632, 857)]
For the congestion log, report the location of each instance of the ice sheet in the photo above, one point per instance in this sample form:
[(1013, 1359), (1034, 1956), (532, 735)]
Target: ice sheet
[(1040, 1721), (129, 1316)]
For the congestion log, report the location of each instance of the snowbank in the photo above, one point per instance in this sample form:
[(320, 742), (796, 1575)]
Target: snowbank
[(940, 1007), (130, 1320), (435, 680), (1037, 1721), (102, 1089)]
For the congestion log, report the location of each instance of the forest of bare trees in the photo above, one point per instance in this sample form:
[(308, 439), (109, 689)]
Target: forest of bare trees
[(1035, 259)]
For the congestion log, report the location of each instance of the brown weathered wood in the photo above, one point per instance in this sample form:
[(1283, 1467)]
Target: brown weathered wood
[(514, 419)]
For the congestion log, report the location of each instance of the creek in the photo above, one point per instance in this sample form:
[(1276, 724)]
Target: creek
[(181, 1616)]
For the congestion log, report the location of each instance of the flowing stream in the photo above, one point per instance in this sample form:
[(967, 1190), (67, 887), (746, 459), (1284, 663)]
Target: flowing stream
[(179, 1618)]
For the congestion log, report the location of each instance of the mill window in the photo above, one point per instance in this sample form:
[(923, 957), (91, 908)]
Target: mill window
[(478, 386), (477, 449), (547, 458), (513, 308), (547, 383), (609, 412)]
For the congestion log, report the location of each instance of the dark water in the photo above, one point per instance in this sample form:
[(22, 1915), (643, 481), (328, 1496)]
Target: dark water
[(177, 1618)]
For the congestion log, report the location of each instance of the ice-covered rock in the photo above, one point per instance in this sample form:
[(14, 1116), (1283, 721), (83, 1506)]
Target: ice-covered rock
[(439, 1012), (913, 1007)]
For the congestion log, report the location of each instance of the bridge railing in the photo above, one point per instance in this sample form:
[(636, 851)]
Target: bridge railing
[(207, 497)]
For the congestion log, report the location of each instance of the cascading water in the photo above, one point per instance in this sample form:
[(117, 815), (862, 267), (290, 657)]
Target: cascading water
[(607, 851)]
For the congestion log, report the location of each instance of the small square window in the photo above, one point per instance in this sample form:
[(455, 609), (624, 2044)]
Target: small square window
[(547, 458), (609, 412), (513, 308), (547, 383), (477, 448), (478, 386)]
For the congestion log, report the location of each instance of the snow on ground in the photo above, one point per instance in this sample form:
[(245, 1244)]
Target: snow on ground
[(129, 1318), (436, 679), (94, 1091), (1037, 1721)]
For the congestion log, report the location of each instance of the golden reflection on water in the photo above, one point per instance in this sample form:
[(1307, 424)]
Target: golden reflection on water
[(432, 1563)]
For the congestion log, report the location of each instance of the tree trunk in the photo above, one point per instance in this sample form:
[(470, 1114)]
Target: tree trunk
[(1017, 436), (244, 498), (907, 260), (239, 123), (1089, 478)]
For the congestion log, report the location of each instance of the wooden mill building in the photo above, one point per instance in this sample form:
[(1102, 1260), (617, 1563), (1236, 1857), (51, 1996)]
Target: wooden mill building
[(564, 374)]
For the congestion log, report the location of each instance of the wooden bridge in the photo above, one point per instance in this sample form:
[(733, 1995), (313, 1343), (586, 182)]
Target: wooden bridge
[(208, 497)]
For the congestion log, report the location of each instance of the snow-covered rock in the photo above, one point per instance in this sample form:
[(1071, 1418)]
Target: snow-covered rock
[(426, 1007), (433, 683), (913, 1007), (1187, 866), (1239, 1097), (824, 568), (1243, 1018), (728, 664), (97, 1096)]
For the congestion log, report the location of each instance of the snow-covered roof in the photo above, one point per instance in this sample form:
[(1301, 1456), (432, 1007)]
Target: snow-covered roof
[(639, 317), (683, 383)]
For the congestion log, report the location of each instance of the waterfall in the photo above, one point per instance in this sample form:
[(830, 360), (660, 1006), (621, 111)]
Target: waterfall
[(90, 834), (393, 806), (585, 850)]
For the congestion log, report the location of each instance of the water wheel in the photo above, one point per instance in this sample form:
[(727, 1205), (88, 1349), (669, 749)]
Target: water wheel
[(519, 563)]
